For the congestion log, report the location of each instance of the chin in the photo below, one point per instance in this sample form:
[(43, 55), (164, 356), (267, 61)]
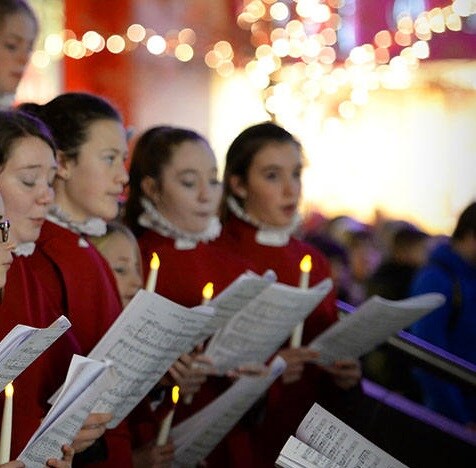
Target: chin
[(108, 215), (194, 228), (279, 223)]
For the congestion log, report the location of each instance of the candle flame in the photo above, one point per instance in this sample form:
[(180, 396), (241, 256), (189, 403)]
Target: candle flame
[(207, 291), (154, 262), (306, 264), (175, 394), (9, 390)]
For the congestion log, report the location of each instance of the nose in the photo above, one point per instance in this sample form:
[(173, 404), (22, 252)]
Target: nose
[(205, 191), (23, 56), (46, 196), (123, 175), (136, 280), (292, 187)]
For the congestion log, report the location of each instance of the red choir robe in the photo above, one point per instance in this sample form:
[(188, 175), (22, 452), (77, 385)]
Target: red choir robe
[(181, 277), (79, 282), (183, 273), (25, 302), (286, 405)]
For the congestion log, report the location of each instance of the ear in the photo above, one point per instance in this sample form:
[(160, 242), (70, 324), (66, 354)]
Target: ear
[(237, 187), (64, 166), (149, 187)]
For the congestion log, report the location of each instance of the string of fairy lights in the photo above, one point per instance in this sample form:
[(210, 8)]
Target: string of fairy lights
[(295, 48)]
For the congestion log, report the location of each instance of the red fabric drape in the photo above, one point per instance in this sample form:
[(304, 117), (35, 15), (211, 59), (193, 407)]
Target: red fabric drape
[(103, 73)]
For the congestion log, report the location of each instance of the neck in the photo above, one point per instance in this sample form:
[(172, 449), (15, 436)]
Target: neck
[(466, 248)]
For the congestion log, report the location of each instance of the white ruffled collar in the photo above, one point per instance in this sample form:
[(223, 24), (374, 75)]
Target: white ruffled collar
[(24, 250), (265, 234), (6, 101), (153, 219), (92, 227)]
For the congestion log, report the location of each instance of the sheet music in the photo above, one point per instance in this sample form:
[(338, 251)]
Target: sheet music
[(341, 444), (23, 344), (258, 330), (234, 297), (86, 380), (297, 454), (197, 436), (370, 325), (150, 334)]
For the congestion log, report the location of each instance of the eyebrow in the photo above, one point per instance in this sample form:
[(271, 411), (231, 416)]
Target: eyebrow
[(17, 37), (194, 171), (276, 166), (123, 258), (37, 166)]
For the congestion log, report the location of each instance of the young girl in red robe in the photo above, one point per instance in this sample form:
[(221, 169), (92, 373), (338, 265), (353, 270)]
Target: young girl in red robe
[(119, 247), (6, 258), (90, 177), (262, 188), (27, 167), (172, 205)]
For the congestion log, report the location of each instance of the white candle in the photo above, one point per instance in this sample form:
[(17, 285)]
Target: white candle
[(6, 434), (167, 422), (152, 278), (207, 294), (305, 267)]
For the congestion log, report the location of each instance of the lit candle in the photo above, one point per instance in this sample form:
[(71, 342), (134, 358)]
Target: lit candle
[(305, 267), (152, 278), (207, 293), (167, 422), (6, 435)]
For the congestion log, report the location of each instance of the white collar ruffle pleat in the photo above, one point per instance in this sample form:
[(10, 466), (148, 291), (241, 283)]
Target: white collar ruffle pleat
[(265, 235), (154, 220), (92, 227), (6, 101), (24, 250)]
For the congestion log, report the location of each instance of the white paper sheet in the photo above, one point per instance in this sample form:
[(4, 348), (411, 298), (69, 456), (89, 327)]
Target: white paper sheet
[(331, 437), (197, 436), (297, 454), (253, 334), (150, 334), (370, 325), (85, 382), (234, 297), (23, 344)]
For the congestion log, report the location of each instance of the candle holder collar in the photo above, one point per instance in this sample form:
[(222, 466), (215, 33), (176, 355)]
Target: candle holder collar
[(265, 234), (152, 219)]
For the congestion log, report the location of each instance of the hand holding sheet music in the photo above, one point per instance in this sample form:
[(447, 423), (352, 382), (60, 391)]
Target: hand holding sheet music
[(253, 334), (85, 382), (150, 334), (198, 435)]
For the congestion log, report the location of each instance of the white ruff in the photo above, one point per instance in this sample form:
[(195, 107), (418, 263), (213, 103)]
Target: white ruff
[(92, 227), (265, 235), (6, 101), (152, 219), (24, 250)]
